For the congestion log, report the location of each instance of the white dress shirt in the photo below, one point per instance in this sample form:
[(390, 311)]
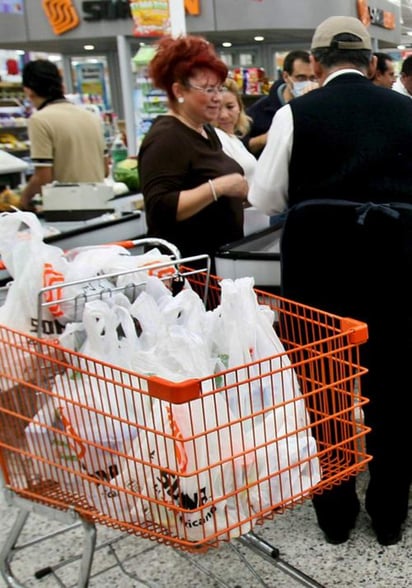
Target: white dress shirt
[(270, 186)]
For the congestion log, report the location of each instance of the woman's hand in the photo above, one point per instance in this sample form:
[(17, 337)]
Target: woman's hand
[(232, 185), (193, 201)]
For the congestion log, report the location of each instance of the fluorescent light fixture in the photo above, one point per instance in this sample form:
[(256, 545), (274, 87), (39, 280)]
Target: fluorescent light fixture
[(259, 38), (227, 44), (409, 33), (88, 47), (401, 46)]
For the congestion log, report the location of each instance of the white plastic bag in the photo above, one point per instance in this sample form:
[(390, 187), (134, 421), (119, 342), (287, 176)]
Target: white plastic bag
[(265, 389), (33, 265), (97, 406), (184, 471)]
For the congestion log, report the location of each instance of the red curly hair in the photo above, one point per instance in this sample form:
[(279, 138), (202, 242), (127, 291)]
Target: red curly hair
[(177, 58)]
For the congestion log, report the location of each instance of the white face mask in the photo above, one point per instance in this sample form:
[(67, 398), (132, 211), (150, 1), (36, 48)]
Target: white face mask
[(298, 88)]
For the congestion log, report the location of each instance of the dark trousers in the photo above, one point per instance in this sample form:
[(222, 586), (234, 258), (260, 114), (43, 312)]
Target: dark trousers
[(356, 260)]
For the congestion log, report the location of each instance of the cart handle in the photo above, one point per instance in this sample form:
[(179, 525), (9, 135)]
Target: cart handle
[(129, 244)]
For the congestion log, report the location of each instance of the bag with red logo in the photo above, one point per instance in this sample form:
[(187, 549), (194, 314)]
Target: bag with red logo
[(91, 418), (185, 472), (33, 265), (75, 433)]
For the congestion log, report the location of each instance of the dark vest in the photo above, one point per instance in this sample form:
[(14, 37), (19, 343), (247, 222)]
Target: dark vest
[(353, 141)]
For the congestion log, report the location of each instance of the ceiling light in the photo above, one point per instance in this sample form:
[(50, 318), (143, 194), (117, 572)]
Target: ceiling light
[(409, 33), (227, 44), (88, 47), (401, 46), (259, 38)]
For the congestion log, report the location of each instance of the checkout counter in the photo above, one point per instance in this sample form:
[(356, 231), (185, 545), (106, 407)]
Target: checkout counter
[(106, 218), (110, 218), (257, 255), (102, 218)]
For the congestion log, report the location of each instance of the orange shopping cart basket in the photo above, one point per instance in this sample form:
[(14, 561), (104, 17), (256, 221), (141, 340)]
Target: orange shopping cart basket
[(189, 464)]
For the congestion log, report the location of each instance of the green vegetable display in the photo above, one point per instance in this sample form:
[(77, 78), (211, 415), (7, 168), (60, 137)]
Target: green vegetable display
[(126, 171)]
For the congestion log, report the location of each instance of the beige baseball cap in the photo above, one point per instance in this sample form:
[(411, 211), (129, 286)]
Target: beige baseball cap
[(336, 25)]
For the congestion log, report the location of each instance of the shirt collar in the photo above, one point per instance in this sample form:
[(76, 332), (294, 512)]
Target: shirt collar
[(340, 72)]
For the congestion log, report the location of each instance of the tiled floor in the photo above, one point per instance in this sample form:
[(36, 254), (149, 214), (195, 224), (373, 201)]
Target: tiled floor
[(361, 562)]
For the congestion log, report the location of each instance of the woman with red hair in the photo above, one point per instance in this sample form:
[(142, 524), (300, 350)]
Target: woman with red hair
[(193, 191)]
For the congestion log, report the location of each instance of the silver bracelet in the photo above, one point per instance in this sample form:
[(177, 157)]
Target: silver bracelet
[(212, 187)]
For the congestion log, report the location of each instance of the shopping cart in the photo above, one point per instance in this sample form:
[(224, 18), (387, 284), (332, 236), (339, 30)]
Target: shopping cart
[(44, 471)]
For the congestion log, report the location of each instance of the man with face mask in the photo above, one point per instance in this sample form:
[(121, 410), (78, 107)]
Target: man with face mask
[(297, 79)]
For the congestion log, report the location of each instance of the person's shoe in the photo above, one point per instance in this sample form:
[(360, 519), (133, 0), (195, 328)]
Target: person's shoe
[(388, 536), (340, 533), (337, 537)]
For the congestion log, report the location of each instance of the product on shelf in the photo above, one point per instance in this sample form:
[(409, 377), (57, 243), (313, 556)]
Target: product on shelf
[(250, 80)]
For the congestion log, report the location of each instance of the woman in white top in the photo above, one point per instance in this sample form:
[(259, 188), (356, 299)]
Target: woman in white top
[(232, 124)]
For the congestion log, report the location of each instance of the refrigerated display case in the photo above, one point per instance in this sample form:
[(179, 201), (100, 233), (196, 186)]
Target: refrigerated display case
[(149, 101)]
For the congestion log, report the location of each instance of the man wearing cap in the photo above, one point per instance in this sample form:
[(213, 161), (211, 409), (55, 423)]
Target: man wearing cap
[(66, 142), (339, 159)]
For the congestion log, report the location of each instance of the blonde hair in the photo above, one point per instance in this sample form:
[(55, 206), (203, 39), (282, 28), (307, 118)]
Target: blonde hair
[(243, 124)]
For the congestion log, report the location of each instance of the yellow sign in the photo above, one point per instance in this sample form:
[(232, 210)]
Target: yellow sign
[(151, 18), (61, 14)]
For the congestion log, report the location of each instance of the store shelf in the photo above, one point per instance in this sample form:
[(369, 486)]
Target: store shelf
[(13, 128), (10, 90)]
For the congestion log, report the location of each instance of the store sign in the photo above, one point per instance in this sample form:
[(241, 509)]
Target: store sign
[(192, 7), (105, 10), (376, 16), (151, 18), (61, 14), (96, 10)]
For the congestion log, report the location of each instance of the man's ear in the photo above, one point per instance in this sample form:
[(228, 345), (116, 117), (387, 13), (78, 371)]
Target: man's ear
[(372, 67), (28, 92), (317, 68)]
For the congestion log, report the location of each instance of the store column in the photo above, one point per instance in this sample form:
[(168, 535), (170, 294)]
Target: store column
[(126, 80)]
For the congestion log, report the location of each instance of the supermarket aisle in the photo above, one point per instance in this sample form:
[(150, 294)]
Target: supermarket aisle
[(361, 562)]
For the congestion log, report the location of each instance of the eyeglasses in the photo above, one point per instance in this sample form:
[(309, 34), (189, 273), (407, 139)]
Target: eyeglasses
[(209, 90)]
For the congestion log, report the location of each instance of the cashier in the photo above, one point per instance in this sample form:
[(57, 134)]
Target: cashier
[(66, 141)]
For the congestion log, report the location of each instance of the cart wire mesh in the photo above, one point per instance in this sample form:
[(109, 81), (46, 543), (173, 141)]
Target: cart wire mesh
[(130, 472)]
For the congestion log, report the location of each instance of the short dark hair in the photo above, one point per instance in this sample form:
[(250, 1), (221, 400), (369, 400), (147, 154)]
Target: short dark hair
[(407, 66), (381, 64), (43, 77), (292, 57), (333, 55)]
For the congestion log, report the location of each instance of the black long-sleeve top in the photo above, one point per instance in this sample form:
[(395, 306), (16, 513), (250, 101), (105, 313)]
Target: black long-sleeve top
[(172, 158)]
